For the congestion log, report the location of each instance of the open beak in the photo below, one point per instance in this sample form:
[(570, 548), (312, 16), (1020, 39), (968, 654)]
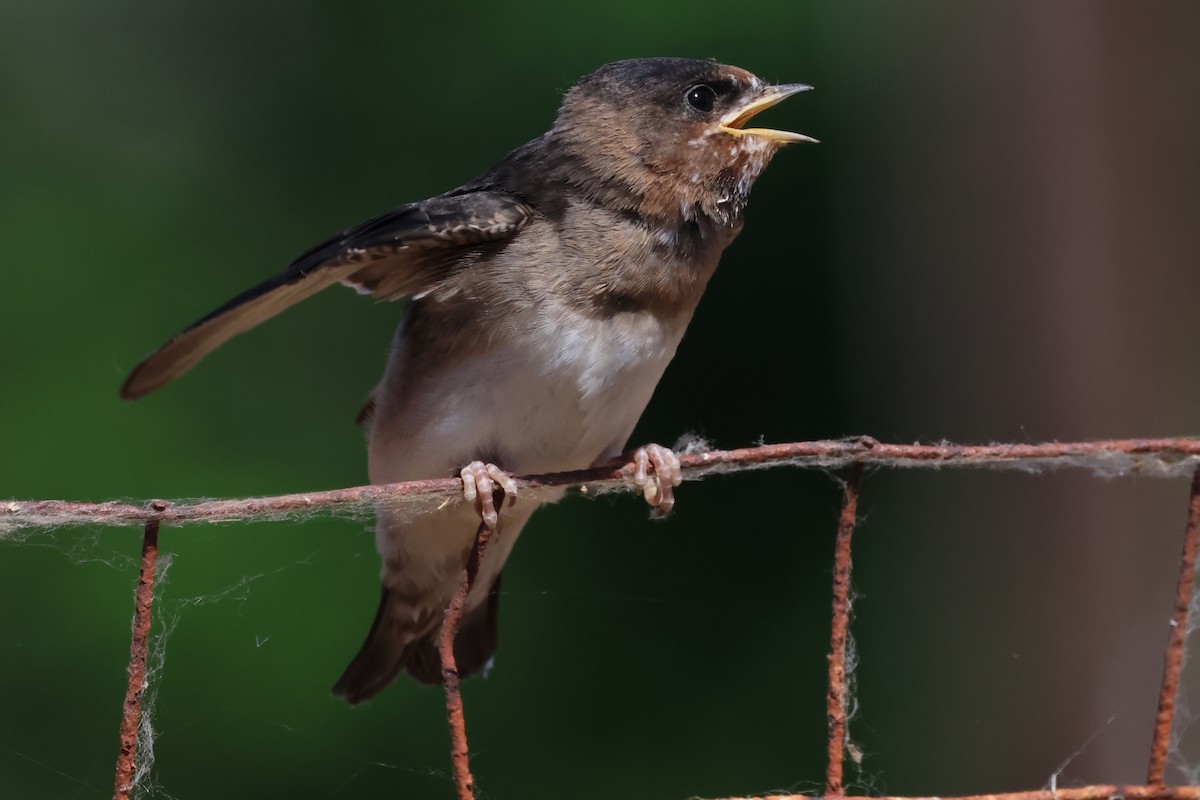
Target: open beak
[(732, 122)]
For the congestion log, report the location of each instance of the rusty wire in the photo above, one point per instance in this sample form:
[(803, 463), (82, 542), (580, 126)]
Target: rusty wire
[(1098, 792), (460, 753), (139, 649), (1155, 457), (1173, 660), (836, 702)]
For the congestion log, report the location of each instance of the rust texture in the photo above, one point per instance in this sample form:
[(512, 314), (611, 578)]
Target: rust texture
[(1173, 660), (139, 648), (1100, 792), (835, 704), (1148, 456), (459, 749)]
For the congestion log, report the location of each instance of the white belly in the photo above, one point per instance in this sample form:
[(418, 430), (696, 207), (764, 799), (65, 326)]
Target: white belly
[(555, 398), (560, 396)]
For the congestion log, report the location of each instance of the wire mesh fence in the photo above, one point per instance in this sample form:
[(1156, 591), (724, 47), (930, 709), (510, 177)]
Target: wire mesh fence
[(850, 458)]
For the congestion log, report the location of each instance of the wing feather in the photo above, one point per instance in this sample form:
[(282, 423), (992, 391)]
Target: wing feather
[(396, 254)]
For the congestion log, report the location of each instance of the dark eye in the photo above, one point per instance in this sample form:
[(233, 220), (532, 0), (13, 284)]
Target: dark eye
[(702, 97)]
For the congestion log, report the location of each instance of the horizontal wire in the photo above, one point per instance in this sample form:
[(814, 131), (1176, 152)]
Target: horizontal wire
[(1175, 457), (1098, 792)]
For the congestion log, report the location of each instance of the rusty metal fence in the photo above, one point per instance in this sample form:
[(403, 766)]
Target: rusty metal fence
[(851, 458)]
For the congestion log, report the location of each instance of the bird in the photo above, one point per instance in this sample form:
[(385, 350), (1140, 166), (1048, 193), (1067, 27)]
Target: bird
[(546, 298)]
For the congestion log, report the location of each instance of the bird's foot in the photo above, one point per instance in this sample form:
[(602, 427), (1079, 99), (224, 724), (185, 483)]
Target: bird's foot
[(656, 472), (479, 485)]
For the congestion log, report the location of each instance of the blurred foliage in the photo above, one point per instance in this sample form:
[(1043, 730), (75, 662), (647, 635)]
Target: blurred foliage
[(155, 159)]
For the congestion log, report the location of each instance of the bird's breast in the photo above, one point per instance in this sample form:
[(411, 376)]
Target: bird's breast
[(561, 394), (540, 359)]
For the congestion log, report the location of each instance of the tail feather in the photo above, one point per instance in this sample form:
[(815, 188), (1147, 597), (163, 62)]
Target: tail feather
[(385, 652), (378, 660), (474, 645)]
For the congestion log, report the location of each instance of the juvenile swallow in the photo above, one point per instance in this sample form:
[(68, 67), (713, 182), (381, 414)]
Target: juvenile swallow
[(546, 298)]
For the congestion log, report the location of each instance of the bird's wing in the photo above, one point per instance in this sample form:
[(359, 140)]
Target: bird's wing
[(396, 254)]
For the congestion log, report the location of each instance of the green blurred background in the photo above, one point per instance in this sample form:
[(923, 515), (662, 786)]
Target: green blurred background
[(997, 240)]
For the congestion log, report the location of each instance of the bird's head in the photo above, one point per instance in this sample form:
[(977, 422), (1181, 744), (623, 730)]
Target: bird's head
[(672, 133)]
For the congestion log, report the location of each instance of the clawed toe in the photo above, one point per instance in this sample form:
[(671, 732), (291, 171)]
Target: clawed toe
[(656, 471), (479, 485)]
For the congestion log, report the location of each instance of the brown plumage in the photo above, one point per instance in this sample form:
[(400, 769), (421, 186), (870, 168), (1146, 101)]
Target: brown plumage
[(549, 294)]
